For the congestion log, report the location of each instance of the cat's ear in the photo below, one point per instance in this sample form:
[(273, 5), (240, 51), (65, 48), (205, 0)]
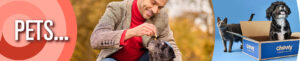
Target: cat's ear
[(225, 20), (218, 19)]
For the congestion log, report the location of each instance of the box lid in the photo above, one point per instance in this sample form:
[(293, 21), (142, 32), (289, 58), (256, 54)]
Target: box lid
[(296, 34), (255, 28)]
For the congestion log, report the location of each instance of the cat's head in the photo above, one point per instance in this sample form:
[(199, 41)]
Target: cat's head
[(222, 23)]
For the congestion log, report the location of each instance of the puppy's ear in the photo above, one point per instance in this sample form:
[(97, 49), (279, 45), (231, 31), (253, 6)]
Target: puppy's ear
[(172, 53), (288, 9), (218, 19), (270, 10), (225, 20)]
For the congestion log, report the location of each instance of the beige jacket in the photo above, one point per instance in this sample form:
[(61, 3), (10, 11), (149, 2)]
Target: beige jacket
[(117, 17)]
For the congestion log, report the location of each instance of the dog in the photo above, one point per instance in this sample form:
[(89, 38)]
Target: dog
[(160, 50), (280, 28)]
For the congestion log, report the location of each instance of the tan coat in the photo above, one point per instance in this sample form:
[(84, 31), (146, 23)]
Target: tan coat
[(117, 17)]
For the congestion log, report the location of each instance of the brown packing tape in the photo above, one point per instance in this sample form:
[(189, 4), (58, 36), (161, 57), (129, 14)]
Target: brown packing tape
[(252, 40), (280, 41)]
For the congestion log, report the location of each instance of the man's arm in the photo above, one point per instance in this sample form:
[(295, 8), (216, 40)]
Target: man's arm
[(167, 35), (141, 30), (104, 34)]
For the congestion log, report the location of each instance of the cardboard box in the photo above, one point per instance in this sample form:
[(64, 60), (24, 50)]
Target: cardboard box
[(256, 41)]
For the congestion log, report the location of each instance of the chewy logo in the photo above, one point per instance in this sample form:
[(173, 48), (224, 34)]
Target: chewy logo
[(251, 48), (286, 47)]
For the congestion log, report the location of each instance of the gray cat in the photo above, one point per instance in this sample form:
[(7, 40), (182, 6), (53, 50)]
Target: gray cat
[(223, 28)]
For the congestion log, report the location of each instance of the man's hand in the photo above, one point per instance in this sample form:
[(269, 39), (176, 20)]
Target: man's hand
[(141, 30)]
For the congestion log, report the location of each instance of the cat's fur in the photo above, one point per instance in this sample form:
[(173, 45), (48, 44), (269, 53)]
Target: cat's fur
[(223, 28)]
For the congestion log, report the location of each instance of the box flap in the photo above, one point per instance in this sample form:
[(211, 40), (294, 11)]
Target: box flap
[(255, 28), (296, 34)]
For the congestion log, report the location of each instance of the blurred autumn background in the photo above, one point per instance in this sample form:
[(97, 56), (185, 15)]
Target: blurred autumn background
[(191, 21)]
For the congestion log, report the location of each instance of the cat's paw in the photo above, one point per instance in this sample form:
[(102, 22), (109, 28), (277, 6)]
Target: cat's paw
[(241, 47)]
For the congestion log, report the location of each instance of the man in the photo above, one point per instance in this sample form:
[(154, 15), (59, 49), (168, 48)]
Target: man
[(126, 27)]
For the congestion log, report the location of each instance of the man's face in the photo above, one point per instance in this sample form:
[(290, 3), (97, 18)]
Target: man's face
[(149, 8)]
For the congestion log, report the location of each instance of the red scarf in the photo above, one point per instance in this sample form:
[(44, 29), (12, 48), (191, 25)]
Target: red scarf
[(132, 48)]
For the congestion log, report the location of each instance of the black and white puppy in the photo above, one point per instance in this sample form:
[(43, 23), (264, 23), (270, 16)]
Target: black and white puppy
[(280, 28), (160, 50)]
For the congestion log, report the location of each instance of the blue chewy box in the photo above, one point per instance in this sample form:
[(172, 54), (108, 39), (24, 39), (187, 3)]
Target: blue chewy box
[(256, 42)]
